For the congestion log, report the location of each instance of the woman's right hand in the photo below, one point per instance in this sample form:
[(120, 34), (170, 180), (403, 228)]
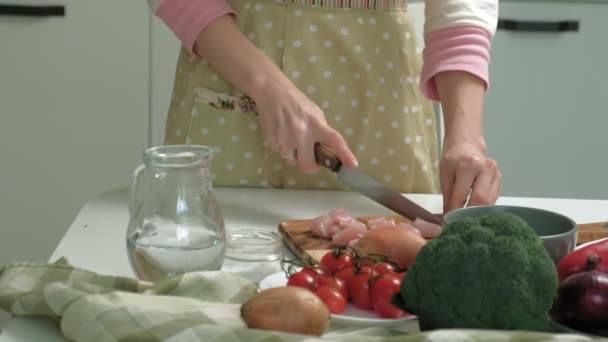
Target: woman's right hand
[(293, 124), (290, 121)]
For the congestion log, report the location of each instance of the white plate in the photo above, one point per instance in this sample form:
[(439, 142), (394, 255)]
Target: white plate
[(351, 316), (589, 243)]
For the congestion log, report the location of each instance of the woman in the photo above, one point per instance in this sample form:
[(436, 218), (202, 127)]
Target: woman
[(264, 80)]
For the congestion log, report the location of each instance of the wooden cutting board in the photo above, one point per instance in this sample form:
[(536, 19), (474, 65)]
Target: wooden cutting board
[(591, 231), (305, 246), (310, 249)]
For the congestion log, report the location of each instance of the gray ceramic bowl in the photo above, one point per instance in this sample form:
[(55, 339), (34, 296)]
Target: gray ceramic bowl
[(558, 232)]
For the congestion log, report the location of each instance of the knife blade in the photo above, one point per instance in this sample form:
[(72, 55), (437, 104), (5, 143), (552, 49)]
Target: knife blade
[(365, 184)]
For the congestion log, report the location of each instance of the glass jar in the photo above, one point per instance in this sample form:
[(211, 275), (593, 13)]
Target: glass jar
[(176, 224)]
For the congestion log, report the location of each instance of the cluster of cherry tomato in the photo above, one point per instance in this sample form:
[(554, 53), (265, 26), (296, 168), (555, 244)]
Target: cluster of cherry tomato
[(368, 282)]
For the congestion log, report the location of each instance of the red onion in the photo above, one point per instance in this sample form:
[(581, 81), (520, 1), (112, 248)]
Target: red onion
[(582, 298)]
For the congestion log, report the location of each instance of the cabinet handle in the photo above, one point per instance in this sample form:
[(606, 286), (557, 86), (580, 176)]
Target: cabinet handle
[(33, 11), (538, 26)]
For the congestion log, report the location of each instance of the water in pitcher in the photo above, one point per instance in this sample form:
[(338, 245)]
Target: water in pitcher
[(170, 250), (176, 225)]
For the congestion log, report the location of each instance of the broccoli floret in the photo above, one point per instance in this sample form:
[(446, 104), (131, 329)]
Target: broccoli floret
[(487, 272)]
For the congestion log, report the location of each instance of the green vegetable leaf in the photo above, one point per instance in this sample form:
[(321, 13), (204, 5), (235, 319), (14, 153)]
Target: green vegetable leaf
[(398, 301)]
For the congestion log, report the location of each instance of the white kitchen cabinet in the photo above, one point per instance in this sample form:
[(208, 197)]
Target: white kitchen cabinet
[(546, 118), (74, 115)]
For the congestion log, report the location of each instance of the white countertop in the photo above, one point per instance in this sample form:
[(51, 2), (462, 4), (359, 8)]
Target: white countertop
[(96, 239)]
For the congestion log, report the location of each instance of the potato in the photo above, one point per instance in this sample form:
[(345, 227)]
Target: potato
[(289, 309)]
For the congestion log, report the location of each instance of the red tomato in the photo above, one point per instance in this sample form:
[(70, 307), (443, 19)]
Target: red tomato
[(359, 292), (316, 270), (367, 262), (333, 282), (304, 279), (334, 261), (388, 310), (333, 299), (576, 261), (384, 267), (347, 273), (383, 289)]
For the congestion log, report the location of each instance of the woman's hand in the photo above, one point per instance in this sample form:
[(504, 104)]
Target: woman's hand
[(467, 175), (290, 121), (292, 124)]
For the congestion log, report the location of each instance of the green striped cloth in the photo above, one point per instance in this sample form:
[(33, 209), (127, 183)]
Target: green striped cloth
[(200, 306)]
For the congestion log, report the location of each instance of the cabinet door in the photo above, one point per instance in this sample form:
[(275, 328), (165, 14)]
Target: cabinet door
[(546, 120), (73, 116)]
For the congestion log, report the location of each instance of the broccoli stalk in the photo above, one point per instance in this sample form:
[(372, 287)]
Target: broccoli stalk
[(487, 272)]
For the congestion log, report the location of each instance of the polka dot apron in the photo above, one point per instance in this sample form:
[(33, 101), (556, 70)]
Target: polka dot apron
[(358, 60)]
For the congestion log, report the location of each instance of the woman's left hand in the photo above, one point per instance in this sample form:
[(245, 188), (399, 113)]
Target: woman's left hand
[(468, 176)]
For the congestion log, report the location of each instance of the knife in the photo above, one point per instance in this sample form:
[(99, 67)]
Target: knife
[(373, 189)]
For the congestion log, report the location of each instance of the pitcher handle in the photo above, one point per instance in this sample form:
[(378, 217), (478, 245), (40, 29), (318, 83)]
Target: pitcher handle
[(135, 200)]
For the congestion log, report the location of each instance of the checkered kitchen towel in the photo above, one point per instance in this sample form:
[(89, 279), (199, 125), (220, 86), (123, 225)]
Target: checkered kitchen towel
[(201, 306)]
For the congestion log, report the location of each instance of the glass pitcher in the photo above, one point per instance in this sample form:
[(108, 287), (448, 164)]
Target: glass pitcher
[(176, 224)]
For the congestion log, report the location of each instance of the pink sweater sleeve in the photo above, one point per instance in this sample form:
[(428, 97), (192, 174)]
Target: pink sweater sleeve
[(461, 48), (187, 18)]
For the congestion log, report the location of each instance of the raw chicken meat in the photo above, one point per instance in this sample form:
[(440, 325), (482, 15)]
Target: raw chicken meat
[(427, 229), (333, 230), (342, 216), (342, 228), (320, 226), (352, 232), (408, 225), (328, 225), (380, 222)]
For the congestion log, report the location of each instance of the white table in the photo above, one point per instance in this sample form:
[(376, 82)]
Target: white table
[(96, 239)]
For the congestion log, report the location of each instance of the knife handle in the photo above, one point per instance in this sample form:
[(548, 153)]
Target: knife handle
[(326, 158)]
